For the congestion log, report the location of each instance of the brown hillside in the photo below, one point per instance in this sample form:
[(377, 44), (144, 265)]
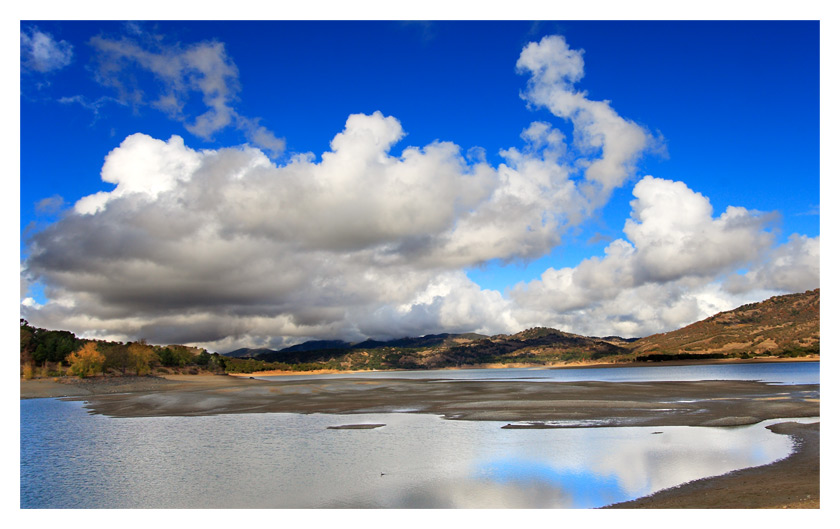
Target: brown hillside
[(780, 325)]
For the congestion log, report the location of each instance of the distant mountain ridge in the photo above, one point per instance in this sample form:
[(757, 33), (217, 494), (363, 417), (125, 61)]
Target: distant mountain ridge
[(780, 326), (247, 353), (333, 345)]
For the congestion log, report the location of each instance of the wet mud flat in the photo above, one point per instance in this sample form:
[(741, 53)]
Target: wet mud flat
[(522, 403)]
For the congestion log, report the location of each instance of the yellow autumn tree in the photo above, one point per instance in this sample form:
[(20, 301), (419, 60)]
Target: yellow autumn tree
[(140, 357), (87, 361)]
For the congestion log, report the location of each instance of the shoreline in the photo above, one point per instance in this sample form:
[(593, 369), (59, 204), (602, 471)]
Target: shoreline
[(789, 483)]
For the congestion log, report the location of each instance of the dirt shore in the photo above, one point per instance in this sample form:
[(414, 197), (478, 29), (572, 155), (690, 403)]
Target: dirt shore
[(793, 482), (75, 387)]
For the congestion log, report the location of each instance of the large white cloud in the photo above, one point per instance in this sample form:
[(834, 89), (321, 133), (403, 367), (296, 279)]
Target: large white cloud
[(226, 248), (311, 246), (675, 234), (679, 264)]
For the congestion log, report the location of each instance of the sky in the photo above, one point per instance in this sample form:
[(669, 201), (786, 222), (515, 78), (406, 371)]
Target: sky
[(258, 184)]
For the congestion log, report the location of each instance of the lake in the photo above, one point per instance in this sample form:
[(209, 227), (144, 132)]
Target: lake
[(773, 372), (73, 459)]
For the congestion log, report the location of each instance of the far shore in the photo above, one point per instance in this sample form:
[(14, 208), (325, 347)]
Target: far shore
[(69, 386), (565, 365)]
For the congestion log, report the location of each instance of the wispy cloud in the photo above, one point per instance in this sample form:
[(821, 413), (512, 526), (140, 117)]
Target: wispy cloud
[(41, 52), (180, 73), (94, 107), (814, 210), (50, 205)]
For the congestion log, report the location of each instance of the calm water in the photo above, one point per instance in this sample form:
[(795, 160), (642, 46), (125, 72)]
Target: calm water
[(72, 459), (780, 373)]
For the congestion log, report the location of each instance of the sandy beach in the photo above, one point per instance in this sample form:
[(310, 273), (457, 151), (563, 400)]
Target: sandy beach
[(793, 482)]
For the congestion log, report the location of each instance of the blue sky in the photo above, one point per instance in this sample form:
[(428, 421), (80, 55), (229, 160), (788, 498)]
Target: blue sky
[(687, 119)]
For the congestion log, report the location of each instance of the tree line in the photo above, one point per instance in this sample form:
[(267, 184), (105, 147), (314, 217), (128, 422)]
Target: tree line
[(54, 353)]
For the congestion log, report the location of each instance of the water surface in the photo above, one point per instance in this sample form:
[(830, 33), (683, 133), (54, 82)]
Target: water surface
[(773, 372), (73, 459)]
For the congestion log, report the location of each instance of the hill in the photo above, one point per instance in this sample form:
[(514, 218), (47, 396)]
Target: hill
[(780, 326)]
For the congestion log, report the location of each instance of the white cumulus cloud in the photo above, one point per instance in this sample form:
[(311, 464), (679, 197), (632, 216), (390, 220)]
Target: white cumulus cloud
[(226, 248), (679, 264)]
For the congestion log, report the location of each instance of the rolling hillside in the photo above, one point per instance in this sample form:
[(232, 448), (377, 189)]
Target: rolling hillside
[(783, 326), (780, 325)]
